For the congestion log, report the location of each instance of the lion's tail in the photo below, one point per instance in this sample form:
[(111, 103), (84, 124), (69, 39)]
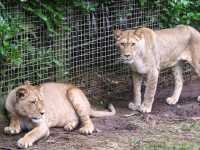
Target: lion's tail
[(96, 113)]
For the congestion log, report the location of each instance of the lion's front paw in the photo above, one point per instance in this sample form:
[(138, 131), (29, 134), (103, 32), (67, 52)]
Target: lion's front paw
[(145, 108), (171, 100), (70, 126), (198, 99), (24, 143), (11, 130), (86, 129), (133, 106)]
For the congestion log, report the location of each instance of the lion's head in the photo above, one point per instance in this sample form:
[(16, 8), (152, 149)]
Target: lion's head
[(29, 103), (130, 43)]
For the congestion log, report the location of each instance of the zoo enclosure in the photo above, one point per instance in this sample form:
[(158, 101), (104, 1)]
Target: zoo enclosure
[(84, 54)]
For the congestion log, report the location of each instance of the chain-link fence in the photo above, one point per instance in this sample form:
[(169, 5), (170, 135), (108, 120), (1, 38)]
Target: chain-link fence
[(85, 54)]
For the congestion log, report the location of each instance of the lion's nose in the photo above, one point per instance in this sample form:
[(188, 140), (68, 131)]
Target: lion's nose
[(127, 55), (42, 112)]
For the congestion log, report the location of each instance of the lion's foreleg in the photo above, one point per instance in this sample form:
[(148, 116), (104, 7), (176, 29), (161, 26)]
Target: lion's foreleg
[(35, 134), (151, 84), (137, 82), (14, 126), (177, 72)]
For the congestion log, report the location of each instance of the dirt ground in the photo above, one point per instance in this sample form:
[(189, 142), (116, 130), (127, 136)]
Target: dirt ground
[(167, 127)]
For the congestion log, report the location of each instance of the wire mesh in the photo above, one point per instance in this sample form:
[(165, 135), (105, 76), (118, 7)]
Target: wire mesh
[(85, 55)]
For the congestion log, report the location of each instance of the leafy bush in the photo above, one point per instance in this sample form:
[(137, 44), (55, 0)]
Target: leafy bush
[(52, 12), (14, 32), (8, 48), (180, 12)]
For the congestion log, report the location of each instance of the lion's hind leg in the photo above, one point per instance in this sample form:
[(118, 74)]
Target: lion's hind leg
[(195, 52), (196, 67), (82, 108), (177, 72)]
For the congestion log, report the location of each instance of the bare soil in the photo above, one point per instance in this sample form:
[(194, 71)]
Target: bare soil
[(167, 127)]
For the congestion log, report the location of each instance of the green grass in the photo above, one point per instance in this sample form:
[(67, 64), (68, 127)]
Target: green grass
[(167, 145), (172, 146), (190, 126)]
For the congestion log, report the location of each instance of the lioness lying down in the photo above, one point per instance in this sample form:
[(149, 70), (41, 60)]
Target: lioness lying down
[(147, 52), (37, 108)]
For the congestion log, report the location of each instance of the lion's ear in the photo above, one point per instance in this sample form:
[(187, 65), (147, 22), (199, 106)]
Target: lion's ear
[(139, 34), (21, 93), (27, 82), (41, 90), (117, 33)]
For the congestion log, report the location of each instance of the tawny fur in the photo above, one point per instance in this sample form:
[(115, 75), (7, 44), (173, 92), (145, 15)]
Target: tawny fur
[(147, 52), (37, 108)]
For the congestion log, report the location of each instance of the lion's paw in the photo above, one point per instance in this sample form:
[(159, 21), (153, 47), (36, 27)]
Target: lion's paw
[(70, 126), (171, 101), (11, 130), (133, 106), (86, 129), (198, 99), (145, 109), (24, 143)]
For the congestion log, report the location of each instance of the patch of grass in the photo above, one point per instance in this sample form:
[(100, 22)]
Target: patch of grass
[(172, 146), (136, 144), (167, 145), (192, 126), (195, 126)]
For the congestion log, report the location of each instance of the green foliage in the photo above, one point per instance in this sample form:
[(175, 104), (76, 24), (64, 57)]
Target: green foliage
[(174, 12), (52, 14), (152, 3), (84, 6), (13, 32), (180, 12), (8, 48)]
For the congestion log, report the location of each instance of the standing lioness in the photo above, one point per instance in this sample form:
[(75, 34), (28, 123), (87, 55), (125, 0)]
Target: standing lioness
[(147, 52), (37, 108)]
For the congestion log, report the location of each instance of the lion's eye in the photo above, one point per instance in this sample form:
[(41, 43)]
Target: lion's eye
[(123, 44), (132, 44), (33, 102)]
